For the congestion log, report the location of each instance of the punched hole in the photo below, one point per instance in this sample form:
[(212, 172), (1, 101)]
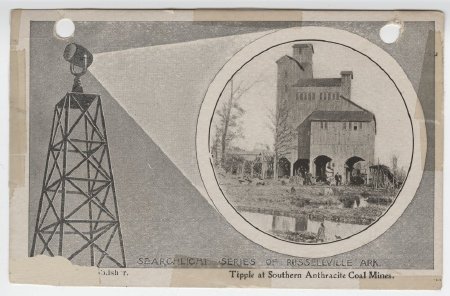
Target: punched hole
[(64, 28), (390, 32)]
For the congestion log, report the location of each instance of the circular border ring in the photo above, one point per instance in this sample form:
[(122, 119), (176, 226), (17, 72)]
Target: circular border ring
[(378, 56)]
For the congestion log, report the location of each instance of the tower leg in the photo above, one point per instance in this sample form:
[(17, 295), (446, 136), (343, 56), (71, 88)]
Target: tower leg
[(36, 228), (78, 215)]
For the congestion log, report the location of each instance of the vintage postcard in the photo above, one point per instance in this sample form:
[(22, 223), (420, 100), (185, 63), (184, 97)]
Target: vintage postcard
[(227, 148)]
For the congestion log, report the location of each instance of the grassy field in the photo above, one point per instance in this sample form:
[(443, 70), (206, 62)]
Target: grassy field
[(348, 204)]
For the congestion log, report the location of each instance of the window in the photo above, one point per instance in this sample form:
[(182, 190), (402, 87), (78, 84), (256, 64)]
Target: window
[(329, 96), (344, 125), (321, 95), (337, 96), (360, 125), (355, 127), (321, 124), (314, 96), (309, 96), (350, 126), (285, 74)]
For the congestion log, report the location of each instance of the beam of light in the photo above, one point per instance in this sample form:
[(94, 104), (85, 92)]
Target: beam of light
[(162, 87)]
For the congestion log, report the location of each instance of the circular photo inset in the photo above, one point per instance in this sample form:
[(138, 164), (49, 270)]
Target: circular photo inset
[(310, 142)]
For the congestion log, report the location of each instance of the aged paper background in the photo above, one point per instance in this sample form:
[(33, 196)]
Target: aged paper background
[(182, 277)]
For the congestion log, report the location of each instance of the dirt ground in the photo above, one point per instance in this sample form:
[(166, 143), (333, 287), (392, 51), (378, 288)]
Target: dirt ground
[(349, 204)]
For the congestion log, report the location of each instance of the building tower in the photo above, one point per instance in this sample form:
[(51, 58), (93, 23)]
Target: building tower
[(78, 216)]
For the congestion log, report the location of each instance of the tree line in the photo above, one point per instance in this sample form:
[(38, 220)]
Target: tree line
[(228, 126)]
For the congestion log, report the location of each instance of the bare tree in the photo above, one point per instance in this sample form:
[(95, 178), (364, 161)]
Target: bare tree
[(283, 134), (229, 127), (215, 146)]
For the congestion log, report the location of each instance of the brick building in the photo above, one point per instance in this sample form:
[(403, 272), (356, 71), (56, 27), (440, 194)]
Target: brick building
[(330, 132)]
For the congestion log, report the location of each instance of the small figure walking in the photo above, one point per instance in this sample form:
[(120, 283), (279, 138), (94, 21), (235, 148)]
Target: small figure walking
[(336, 177), (321, 233)]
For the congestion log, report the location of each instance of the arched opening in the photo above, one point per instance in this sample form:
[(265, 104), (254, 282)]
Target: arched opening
[(353, 171), (301, 167), (284, 167), (323, 165)]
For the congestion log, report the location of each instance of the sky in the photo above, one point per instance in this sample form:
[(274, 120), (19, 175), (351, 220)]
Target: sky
[(371, 88)]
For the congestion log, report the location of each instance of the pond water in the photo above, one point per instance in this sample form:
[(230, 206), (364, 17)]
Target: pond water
[(278, 223)]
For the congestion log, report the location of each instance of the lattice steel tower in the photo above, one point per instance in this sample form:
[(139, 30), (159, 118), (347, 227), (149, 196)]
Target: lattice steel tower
[(78, 216)]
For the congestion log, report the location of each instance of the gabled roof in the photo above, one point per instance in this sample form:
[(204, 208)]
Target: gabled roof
[(289, 58), (324, 82), (363, 110)]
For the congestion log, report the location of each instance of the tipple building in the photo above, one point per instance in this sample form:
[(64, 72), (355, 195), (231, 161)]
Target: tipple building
[(330, 133)]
